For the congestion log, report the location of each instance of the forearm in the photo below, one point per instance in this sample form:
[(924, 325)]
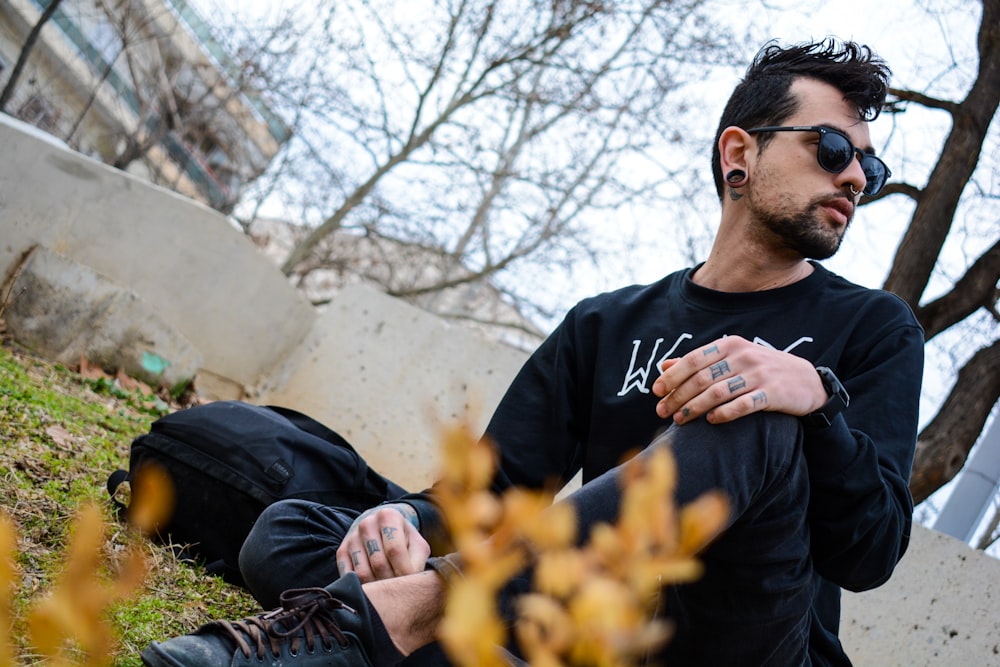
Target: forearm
[(859, 510)]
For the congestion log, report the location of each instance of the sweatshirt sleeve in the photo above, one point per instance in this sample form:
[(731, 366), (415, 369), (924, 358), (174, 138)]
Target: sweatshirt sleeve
[(860, 508)]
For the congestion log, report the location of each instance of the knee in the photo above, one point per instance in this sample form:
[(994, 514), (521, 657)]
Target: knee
[(260, 541), (737, 457), (275, 525), (770, 430)]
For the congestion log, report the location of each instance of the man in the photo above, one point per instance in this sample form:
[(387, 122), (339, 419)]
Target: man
[(790, 389)]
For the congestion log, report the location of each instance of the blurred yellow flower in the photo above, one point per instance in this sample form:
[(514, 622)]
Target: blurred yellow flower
[(591, 605), (8, 575), (73, 612)]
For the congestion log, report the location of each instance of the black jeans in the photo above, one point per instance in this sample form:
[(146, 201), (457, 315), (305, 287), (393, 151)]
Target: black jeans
[(751, 606)]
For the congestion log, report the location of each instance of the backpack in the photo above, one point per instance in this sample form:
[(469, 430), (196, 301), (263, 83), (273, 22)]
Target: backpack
[(228, 460)]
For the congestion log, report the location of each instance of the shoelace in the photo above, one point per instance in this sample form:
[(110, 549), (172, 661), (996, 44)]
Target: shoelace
[(308, 610)]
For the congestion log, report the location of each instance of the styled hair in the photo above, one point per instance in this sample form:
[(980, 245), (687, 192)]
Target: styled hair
[(763, 97)]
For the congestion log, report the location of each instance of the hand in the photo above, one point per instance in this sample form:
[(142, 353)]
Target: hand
[(383, 543), (731, 378)]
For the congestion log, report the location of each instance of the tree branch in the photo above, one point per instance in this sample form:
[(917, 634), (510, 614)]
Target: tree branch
[(921, 99), (944, 445), (976, 289), (22, 58), (933, 218)]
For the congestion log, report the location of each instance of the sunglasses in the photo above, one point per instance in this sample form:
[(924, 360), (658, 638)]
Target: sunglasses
[(835, 153)]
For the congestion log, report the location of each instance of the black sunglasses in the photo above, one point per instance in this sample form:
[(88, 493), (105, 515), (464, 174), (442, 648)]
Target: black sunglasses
[(835, 153)]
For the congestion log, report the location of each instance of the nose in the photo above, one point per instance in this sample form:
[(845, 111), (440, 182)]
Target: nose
[(853, 175)]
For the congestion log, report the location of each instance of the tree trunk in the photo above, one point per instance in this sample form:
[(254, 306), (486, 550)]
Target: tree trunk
[(935, 212), (22, 59), (944, 445)]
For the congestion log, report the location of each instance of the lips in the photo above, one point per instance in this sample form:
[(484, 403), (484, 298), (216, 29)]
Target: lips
[(843, 207)]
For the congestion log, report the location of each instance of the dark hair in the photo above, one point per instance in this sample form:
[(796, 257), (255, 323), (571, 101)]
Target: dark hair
[(763, 97)]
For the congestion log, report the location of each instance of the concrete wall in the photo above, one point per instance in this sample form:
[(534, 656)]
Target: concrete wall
[(941, 607), (365, 365), (387, 375), (185, 260)]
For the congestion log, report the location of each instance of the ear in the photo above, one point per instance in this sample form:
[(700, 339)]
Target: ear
[(734, 149)]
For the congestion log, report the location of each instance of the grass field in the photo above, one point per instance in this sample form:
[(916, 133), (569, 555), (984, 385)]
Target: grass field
[(61, 435)]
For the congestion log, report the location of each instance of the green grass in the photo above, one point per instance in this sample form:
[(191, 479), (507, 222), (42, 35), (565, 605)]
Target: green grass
[(60, 438)]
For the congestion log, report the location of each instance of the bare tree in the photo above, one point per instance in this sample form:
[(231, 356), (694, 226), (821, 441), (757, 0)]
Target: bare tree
[(490, 133), (944, 444)]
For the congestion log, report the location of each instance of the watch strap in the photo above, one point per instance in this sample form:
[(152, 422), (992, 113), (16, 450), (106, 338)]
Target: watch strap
[(838, 399)]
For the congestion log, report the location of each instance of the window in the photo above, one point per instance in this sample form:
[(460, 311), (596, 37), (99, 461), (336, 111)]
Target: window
[(39, 112)]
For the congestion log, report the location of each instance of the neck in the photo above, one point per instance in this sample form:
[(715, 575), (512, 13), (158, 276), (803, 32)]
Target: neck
[(739, 263)]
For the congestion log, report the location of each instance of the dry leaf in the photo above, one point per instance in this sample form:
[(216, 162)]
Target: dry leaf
[(60, 436), (89, 371), (73, 612)]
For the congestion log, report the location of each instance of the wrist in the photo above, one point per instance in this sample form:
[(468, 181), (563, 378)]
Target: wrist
[(408, 513), (836, 402)]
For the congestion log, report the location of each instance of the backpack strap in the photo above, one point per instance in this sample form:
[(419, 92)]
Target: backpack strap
[(115, 480)]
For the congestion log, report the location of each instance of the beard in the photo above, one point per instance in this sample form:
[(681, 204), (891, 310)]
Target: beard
[(803, 232)]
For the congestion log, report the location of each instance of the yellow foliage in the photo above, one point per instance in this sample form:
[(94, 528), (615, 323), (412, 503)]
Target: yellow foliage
[(68, 625), (152, 499), (8, 574), (74, 610), (591, 604)]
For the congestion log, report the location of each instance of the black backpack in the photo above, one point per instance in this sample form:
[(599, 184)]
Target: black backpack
[(228, 460)]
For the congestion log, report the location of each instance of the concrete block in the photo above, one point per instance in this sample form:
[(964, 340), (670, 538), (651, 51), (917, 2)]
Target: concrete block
[(941, 607), (193, 268), (66, 311), (387, 375)]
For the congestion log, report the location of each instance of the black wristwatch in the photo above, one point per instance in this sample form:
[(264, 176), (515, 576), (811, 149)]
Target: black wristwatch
[(839, 399)]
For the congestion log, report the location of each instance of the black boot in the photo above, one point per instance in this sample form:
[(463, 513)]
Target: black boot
[(314, 627)]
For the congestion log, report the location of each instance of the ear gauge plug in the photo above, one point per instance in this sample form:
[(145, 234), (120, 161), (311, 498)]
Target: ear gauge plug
[(736, 178)]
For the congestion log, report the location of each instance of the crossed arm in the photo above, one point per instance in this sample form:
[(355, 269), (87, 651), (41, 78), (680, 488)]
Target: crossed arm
[(725, 380), (732, 377)]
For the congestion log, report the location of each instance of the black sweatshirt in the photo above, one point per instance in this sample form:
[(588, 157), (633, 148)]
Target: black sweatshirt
[(584, 399)]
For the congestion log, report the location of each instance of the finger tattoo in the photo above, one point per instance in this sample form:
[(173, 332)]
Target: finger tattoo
[(714, 349), (389, 532), (372, 547), (737, 383), (356, 558), (759, 399), (719, 369)]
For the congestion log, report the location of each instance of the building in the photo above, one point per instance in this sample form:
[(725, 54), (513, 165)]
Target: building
[(141, 85)]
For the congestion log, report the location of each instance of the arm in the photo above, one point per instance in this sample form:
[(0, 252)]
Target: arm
[(860, 507)]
